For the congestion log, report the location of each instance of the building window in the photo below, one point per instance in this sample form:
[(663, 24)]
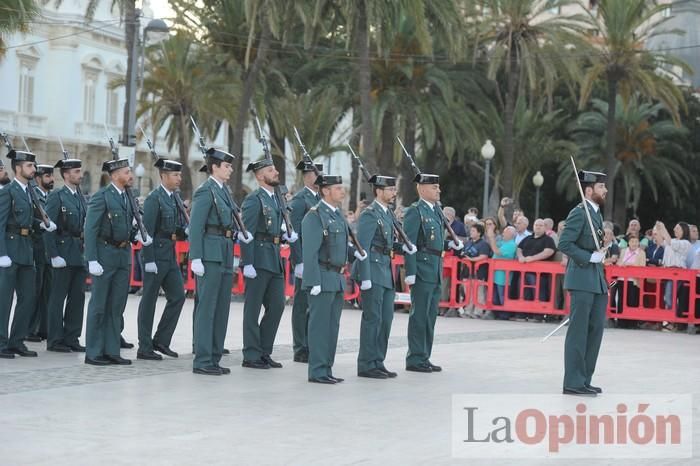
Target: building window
[(26, 88), (112, 107), (666, 12), (89, 98)]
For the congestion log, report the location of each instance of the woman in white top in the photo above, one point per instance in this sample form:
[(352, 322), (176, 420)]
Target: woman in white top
[(675, 252)]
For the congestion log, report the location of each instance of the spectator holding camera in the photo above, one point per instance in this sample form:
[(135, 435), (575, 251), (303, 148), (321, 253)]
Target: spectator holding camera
[(505, 248)]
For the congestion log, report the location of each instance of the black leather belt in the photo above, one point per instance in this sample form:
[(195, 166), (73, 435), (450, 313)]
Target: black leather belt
[(116, 244), (267, 237), (331, 267), (72, 235), (218, 230), (383, 251), (22, 231), (170, 236), (431, 251)]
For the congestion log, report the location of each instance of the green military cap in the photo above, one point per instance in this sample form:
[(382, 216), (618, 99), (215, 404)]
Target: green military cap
[(259, 165), (305, 166), (591, 177), (166, 165), (42, 169), (68, 163), (21, 156), (112, 165), (217, 154), (380, 181), (328, 180), (426, 178)]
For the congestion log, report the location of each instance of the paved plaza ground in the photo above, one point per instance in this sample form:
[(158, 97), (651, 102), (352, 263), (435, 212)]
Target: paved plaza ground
[(56, 410)]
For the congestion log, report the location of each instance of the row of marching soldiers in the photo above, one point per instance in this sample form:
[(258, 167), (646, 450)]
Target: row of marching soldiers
[(99, 233)]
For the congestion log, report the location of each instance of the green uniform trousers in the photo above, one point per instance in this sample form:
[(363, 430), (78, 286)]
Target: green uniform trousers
[(377, 315), (300, 318), (583, 337), (425, 298), (105, 310), (170, 279), (324, 324), (19, 279), (265, 290), (211, 316), (42, 290), (68, 286)]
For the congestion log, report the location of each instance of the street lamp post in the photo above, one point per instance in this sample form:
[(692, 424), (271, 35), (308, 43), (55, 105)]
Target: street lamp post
[(538, 181), (139, 171), (487, 153)]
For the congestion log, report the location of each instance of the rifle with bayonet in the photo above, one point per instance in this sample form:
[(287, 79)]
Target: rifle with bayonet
[(398, 228), (236, 218), (31, 185), (135, 209), (417, 171), (279, 192), (307, 158)]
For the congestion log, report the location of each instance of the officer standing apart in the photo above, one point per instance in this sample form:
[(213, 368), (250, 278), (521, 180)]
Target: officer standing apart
[(300, 204), (109, 230), (262, 267), (212, 233), (17, 273), (588, 289), (162, 217), (424, 227), (67, 207), (325, 256), (43, 178)]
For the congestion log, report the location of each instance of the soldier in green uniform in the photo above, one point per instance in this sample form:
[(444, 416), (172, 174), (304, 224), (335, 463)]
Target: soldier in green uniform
[(43, 178), (162, 217), (109, 231), (325, 256), (300, 204), (65, 248), (424, 227), (588, 289), (17, 271), (376, 235), (212, 233), (4, 176), (262, 267)]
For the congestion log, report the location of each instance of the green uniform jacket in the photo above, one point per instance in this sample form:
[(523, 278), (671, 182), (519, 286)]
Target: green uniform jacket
[(325, 243), (423, 226), (40, 258), (161, 219), (16, 211), (211, 206), (108, 218), (68, 213), (375, 232), (577, 242), (263, 219), (301, 203)]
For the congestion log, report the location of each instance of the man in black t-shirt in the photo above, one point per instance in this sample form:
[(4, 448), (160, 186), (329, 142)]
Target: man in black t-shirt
[(537, 247)]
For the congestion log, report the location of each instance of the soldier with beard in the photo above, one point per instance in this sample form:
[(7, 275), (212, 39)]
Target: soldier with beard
[(4, 176)]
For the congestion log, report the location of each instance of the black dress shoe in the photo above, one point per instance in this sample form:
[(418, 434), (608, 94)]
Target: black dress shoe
[(434, 367), (98, 361), (388, 373), (77, 348), (6, 354), (118, 360), (149, 356), (210, 370), (24, 352), (372, 374), (123, 344), (224, 370), (259, 364), (271, 362), (59, 348), (324, 380), (34, 338), (337, 379), (595, 389), (225, 351), (301, 357), (580, 391), (419, 369), (165, 350)]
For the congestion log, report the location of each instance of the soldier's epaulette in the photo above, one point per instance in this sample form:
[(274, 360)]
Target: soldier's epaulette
[(314, 208)]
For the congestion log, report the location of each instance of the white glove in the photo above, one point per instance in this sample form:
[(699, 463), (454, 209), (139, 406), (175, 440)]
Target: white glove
[(243, 238), (315, 290), (366, 285), (283, 227), (456, 246), (5, 261), (51, 227), (58, 262), (249, 271), (151, 267), (187, 230), (95, 268), (410, 280), (410, 251), (359, 256), (197, 267), (597, 257), (290, 238), (299, 270), (147, 242)]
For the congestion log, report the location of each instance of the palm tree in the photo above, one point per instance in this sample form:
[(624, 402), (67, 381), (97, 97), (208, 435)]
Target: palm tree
[(528, 49), (649, 151), (622, 28), (14, 16)]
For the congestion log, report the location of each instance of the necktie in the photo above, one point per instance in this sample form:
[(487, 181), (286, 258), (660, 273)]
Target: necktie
[(124, 199)]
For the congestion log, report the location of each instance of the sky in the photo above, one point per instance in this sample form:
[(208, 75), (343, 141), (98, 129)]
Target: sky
[(161, 9)]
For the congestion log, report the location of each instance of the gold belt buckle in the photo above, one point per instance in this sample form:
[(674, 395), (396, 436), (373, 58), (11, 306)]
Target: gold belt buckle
[(391, 254), (24, 231), (342, 270), (442, 254), (229, 233), (173, 237), (276, 239)]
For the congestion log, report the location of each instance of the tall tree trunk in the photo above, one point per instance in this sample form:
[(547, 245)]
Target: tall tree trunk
[(184, 150), (277, 141), (407, 191), (610, 158), (509, 124), (242, 118), (364, 81), (354, 176), (129, 34), (385, 164)]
